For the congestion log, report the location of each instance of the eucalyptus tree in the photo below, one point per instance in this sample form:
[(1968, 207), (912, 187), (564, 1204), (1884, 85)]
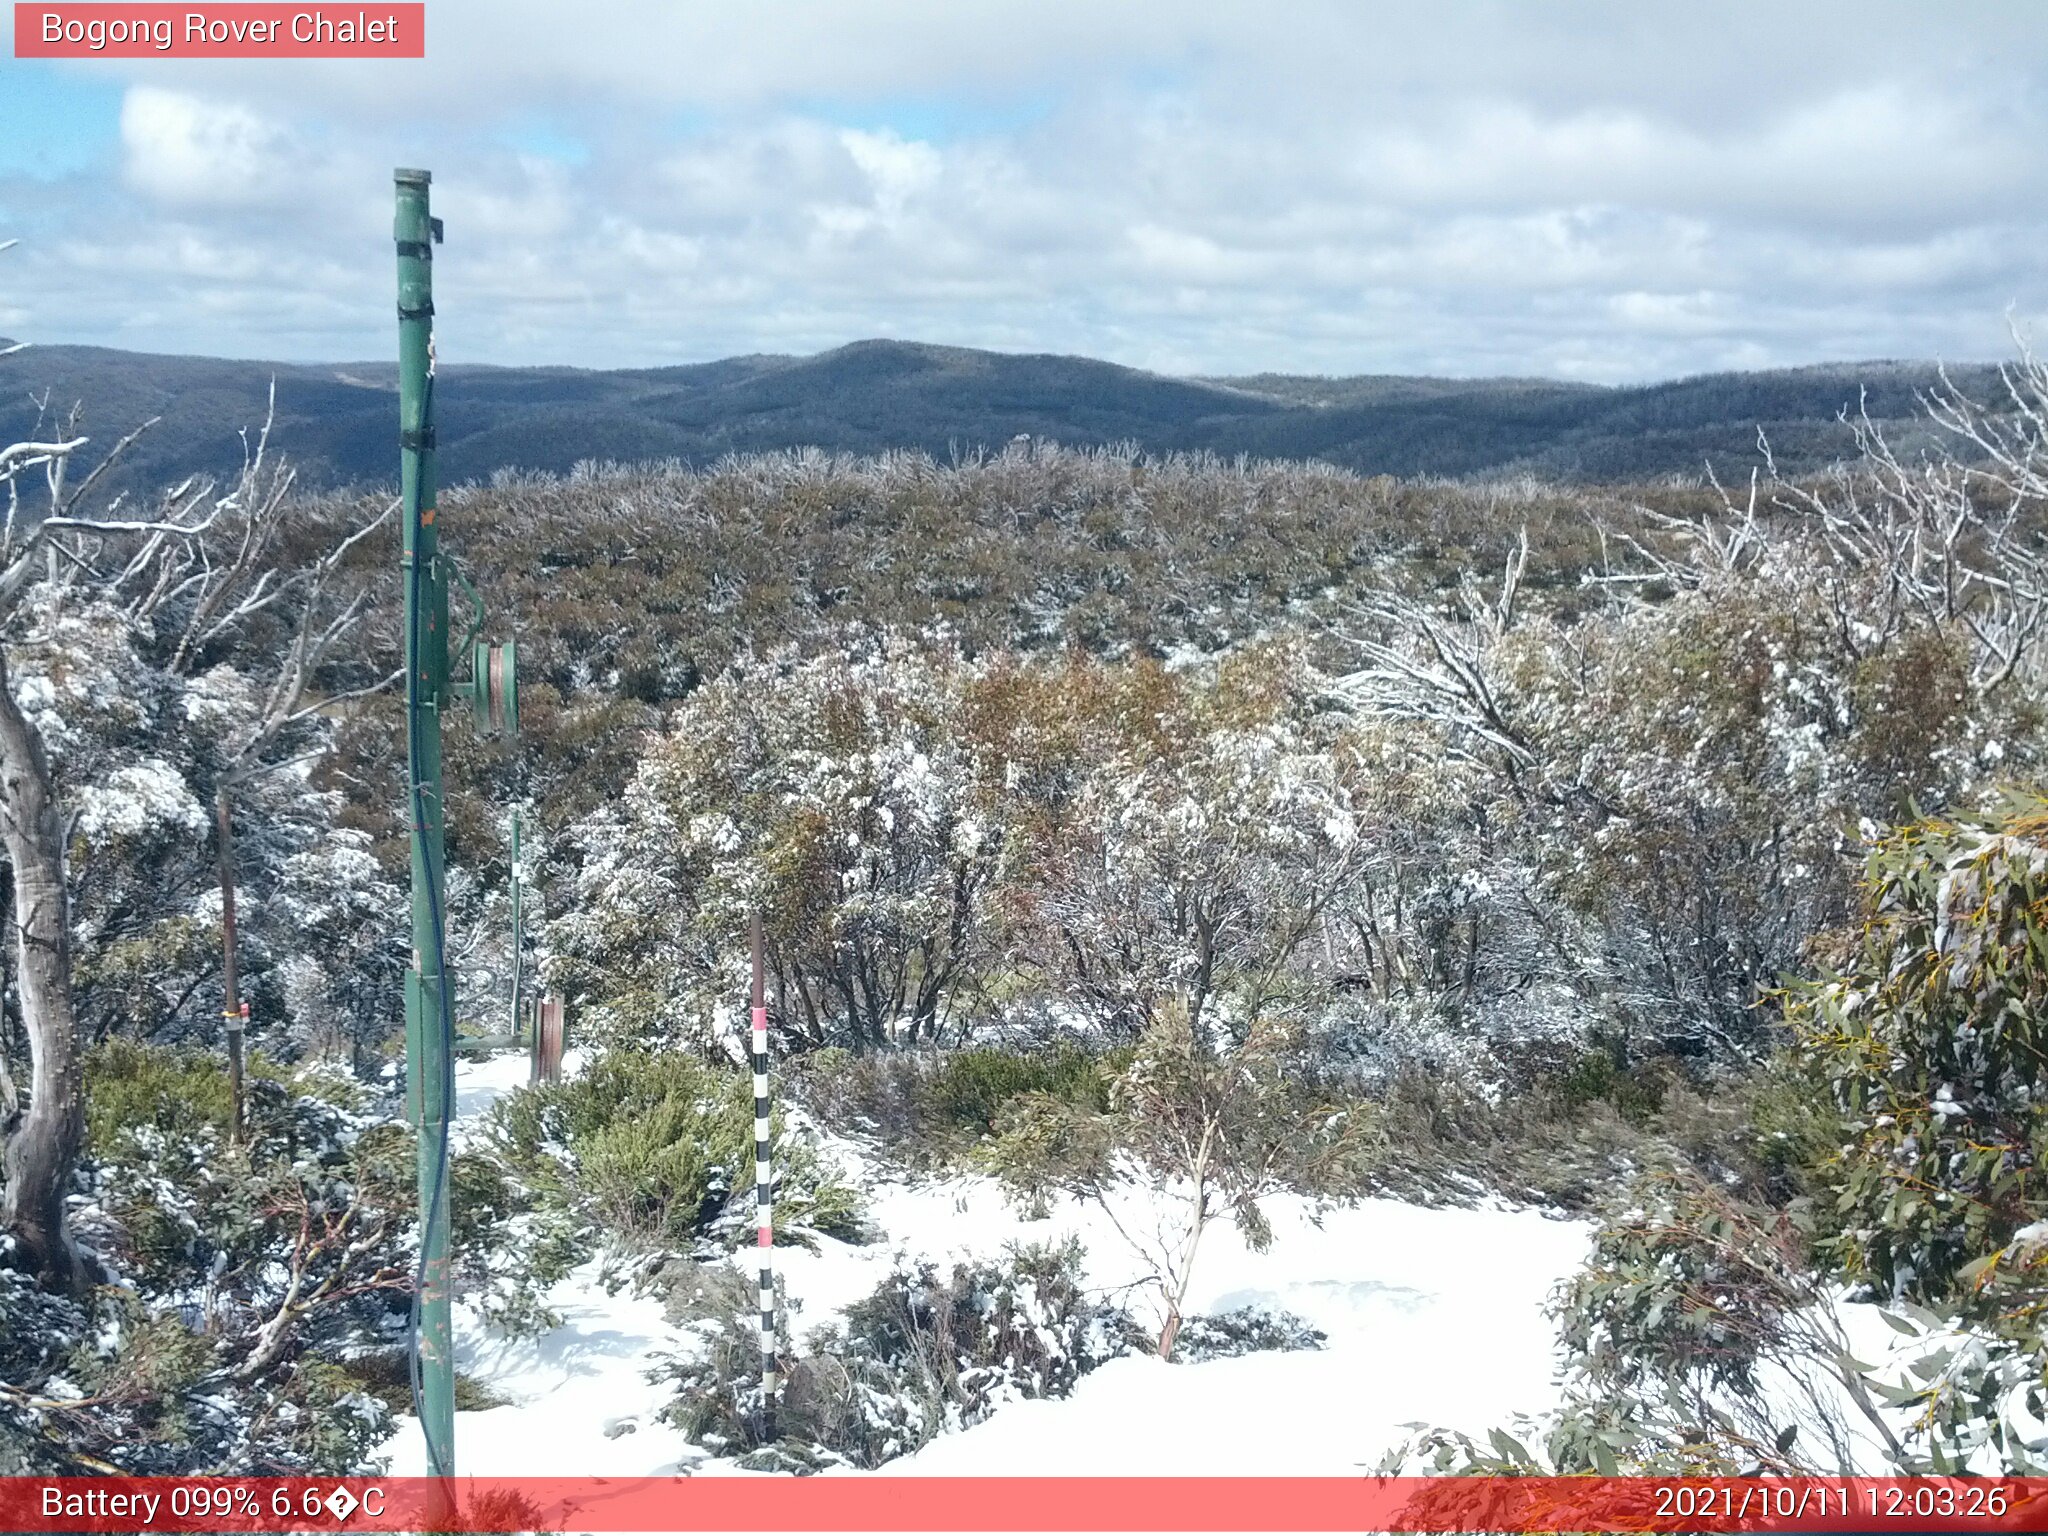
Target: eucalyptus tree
[(107, 608)]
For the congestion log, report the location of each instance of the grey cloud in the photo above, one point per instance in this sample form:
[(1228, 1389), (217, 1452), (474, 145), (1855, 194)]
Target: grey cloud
[(1602, 191)]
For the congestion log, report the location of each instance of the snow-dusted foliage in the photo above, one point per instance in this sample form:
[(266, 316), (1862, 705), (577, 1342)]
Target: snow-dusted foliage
[(927, 1352), (1684, 779), (1189, 830), (243, 1278), (1931, 1041), (162, 669), (933, 840), (139, 749), (844, 799), (656, 1150)]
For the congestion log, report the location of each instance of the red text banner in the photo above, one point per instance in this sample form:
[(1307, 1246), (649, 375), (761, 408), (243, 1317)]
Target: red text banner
[(843, 1503), (215, 31)]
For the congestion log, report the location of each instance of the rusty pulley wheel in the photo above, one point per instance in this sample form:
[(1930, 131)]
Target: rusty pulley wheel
[(497, 688)]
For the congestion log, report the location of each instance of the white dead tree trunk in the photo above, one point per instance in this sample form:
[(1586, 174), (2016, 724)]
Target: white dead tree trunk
[(43, 1143)]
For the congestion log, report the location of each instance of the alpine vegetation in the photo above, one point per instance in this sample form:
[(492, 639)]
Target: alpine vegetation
[(1209, 912)]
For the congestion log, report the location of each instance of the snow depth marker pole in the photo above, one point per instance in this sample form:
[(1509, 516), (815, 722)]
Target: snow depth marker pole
[(518, 935), (763, 1190), (234, 1012)]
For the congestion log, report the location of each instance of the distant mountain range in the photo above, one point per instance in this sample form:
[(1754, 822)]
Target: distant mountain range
[(339, 422)]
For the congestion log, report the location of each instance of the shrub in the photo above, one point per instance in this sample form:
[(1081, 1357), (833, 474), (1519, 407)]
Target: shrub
[(926, 1352), (1597, 1076), (244, 1270), (1245, 1331), (1697, 1340), (132, 1088), (935, 1107), (659, 1149), (1933, 1037), (1215, 1125), (970, 1088)]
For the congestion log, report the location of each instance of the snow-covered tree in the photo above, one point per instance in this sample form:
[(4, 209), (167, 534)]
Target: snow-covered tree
[(1691, 762), (1189, 830), (841, 797), (145, 658)]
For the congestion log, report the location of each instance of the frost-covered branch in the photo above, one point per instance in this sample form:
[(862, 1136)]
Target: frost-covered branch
[(1426, 665)]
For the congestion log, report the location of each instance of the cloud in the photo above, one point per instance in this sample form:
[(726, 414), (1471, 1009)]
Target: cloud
[(1599, 190), (185, 151)]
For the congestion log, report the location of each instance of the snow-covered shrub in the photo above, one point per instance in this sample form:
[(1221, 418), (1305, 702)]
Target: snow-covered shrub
[(38, 1332), (240, 1276), (1701, 1298), (658, 1149), (1681, 776), (933, 842), (1489, 1046), (927, 1352), (1698, 1340), (1245, 1331), (934, 1106), (300, 1226), (869, 1094), (1187, 832), (1896, 1146), (1706, 762), (842, 798)]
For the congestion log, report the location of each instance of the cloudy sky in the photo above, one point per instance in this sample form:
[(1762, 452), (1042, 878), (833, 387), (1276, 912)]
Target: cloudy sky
[(1611, 191)]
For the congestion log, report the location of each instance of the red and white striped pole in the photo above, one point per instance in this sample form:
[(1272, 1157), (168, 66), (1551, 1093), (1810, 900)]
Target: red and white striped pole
[(763, 1189)]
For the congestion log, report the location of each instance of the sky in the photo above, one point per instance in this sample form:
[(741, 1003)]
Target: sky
[(1610, 192)]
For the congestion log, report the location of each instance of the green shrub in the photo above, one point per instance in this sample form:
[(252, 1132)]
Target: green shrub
[(1933, 1040), (970, 1088), (650, 1173), (934, 1108), (1596, 1076), (174, 1090), (659, 1149)]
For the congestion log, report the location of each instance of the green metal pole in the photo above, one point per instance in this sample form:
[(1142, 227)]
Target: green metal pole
[(428, 1005)]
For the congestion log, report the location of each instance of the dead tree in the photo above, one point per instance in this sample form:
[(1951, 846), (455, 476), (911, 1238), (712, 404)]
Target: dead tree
[(197, 557)]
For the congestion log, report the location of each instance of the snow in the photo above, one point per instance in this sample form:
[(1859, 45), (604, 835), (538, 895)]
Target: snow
[(480, 1081), (137, 798), (1434, 1315)]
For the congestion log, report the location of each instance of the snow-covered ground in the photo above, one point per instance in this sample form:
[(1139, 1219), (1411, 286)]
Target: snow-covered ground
[(1433, 1316)]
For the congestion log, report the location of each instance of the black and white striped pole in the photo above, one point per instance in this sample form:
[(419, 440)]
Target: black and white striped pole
[(763, 1190)]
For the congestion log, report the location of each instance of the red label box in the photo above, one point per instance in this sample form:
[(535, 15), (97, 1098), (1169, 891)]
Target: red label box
[(367, 29)]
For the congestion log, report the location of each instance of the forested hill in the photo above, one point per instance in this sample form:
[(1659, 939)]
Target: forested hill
[(336, 421)]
